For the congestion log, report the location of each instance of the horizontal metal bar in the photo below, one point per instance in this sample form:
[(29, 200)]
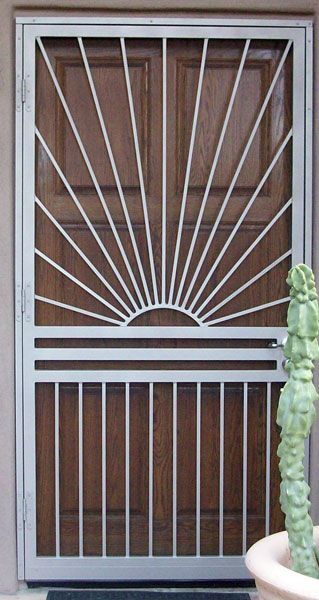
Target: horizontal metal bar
[(129, 568), (154, 22), (174, 31), (165, 376), (222, 354), (159, 332)]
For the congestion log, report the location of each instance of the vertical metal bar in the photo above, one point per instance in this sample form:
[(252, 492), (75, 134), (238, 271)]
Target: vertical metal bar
[(164, 147), (57, 467), (188, 170), (174, 469), (127, 469), (150, 470), (198, 466), (298, 151), (103, 469), (28, 220), (268, 441), (221, 467), (245, 468), (18, 316), (309, 146), (80, 469)]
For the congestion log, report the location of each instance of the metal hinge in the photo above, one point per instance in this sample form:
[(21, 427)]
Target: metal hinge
[(26, 510), (23, 90), (23, 302)]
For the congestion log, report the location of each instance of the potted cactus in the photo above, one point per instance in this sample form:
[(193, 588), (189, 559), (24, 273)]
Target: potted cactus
[(286, 565)]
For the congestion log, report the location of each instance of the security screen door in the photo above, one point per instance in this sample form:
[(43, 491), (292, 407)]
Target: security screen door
[(164, 199)]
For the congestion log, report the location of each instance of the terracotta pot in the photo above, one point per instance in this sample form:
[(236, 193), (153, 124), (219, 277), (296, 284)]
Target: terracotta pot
[(268, 562)]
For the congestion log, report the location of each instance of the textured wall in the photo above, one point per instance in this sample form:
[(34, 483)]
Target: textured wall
[(8, 10)]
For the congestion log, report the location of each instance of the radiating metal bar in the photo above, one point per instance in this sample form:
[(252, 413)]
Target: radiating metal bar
[(268, 441), (245, 442), (77, 310), (241, 219), (127, 469), (57, 467), (139, 169), (238, 170), (87, 221), (198, 468), (78, 282), (114, 170), (247, 284), (221, 467), (188, 169), (212, 171), (103, 469), (249, 310), (150, 469), (174, 470), (80, 253), (244, 256), (164, 157), (80, 469), (90, 169)]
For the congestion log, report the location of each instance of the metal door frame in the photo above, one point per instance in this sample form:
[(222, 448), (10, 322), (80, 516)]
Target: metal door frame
[(28, 28)]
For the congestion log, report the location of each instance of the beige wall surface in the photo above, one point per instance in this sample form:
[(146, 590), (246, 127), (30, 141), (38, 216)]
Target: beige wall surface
[(9, 9)]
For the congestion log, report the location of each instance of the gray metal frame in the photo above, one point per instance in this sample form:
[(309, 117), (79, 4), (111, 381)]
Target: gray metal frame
[(28, 29)]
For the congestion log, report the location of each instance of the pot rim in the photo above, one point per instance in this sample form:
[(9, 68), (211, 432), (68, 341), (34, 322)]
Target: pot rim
[(266, 562)]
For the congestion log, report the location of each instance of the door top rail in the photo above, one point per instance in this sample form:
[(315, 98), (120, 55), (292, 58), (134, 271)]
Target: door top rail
[(261, 22), (167, 30)]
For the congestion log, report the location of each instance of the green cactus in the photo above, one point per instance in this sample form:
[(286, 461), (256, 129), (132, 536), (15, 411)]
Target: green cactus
[(296, 414)]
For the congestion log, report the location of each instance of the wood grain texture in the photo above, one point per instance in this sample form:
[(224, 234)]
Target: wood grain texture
[(145, 68)]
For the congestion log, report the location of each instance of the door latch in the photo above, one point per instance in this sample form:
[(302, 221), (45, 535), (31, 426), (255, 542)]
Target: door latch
[(274, 344)]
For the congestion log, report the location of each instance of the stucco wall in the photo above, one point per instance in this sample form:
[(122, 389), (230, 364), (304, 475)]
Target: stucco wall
[(8, 10)]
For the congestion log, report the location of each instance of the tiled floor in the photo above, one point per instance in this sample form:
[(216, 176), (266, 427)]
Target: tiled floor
[(41, 593)]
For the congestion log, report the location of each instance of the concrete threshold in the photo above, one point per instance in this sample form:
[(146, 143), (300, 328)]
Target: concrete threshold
[(41, 593)]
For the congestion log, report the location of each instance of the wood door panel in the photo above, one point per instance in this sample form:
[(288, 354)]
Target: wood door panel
[(69, 469), (145, 71), (162, 468)]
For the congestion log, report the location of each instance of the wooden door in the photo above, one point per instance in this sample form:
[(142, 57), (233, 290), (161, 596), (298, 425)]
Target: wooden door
[(163, 236)]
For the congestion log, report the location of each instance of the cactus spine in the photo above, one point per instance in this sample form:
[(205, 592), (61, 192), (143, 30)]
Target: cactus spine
[(295, 416)]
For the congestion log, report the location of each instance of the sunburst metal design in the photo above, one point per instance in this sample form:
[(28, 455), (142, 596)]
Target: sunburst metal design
[(174, 294)]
